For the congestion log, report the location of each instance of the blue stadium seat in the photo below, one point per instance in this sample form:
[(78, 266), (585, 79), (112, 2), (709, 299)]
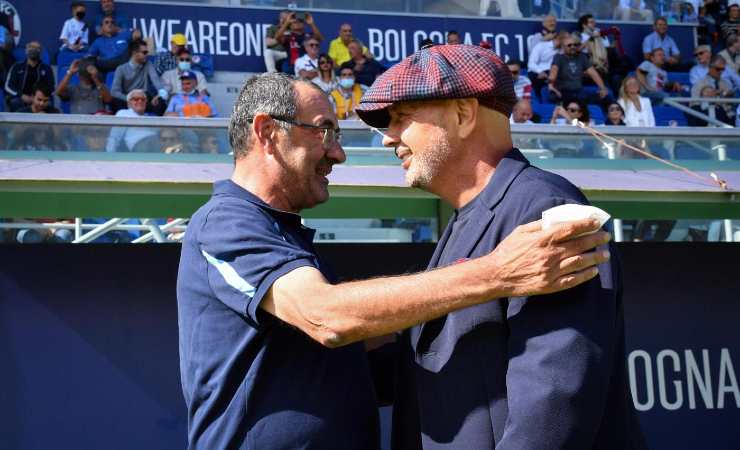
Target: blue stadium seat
[(664, 114), (680, 77), (597, 115), (544, 110), (204, 63)]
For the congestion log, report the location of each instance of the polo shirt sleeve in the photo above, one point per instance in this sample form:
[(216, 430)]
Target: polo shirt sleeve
[(673, 47), (246, 252), (646, 46), (561, 353)]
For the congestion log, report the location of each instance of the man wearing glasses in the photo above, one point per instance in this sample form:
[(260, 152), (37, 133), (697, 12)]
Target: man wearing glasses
[(307, 66), (566, 75), (139, 73), (270, 347)]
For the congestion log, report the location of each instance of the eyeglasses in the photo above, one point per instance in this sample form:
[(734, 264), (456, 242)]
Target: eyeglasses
[(138, 99), (313, 45), (574, 110), (347, 30), (324, 62), (571, 45), (331, 135)]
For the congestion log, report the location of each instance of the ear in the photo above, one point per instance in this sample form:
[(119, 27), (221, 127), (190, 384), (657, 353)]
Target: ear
[(264, 129), (467, 116)]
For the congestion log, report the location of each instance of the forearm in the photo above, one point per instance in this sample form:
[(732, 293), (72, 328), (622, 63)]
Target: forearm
[(317, 33), (337, 315), (596, 77), (62, 88)]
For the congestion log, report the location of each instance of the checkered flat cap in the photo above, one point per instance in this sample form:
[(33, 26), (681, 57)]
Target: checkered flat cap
[(440, 72)]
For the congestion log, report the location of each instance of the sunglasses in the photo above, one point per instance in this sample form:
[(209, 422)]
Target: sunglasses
[(571, 45), (614, 108), (515, 72), (107, 22), (313, 45), (185, 59), (574, 110), (324, 62)]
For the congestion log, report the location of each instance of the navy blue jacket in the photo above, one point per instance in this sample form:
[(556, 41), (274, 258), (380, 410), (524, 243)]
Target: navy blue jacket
[(518, 373)]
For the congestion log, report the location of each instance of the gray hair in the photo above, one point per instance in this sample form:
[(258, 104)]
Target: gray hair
[(270, 93), (134, 92)]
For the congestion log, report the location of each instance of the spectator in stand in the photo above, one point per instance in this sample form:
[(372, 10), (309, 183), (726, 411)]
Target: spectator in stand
[(110, 49), (172, 78), (522, 85), (326, 80), (720, 86), (7, 42), (41, 102), (167, 59), (637, 110), (293, 41), (108, 8), (139, 73), (720, 113), (453, 37), (703, 54), (540, 60), (338, 50), (307, 66), (190, 103), (653, 79), (89, 96), (547, 33), (172, 141), (614, 115), (566, 75), (573, 110), (594, 45), (522, 113), (660, 39), (132, 139), (347, 96), (633, 10), (274, 52), (731, 53), (534, 8), (24, 75), (366, 69), (730, 26), (75, 31)]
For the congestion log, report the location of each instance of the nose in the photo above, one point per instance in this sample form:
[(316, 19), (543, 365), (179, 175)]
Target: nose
[(336, 153)]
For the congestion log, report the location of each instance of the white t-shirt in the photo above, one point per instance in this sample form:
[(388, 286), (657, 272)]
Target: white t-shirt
[(635, 118), (74, 32), (306, 63)]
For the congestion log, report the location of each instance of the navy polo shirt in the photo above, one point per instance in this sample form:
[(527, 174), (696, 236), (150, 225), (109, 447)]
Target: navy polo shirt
[(251, 381)]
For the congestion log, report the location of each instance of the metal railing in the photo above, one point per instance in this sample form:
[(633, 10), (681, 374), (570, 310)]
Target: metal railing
[(711, 118)]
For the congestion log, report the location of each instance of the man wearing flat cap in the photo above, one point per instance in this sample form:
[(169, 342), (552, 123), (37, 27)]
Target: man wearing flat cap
[(514, 373), (270, 345)]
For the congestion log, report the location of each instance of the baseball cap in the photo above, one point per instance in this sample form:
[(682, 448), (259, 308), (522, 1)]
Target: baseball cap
[(179, 39), (437, 73), (188, 75)]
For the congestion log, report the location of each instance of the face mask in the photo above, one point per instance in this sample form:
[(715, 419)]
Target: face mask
[(347, 82), (80, 15), (183, 65), (33, 54)]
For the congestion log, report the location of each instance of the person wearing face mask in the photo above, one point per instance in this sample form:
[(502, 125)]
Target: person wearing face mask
[(24, 75), (90, 95), (347, 96), (190, 103), (172, 78), (75, 31)]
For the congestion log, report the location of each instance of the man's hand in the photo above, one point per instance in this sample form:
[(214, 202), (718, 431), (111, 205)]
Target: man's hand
[(74, 67), (532, 261), (309, 19), (92, 70), (603, 92)]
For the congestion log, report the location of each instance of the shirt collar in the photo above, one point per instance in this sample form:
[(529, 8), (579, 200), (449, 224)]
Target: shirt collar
[(229, 188)]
